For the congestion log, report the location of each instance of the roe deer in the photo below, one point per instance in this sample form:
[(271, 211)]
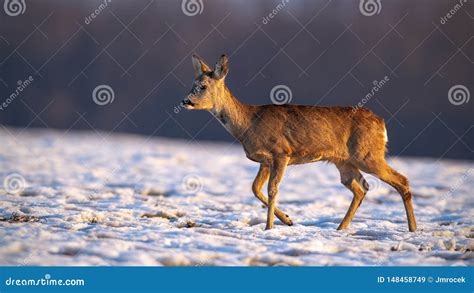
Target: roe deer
[(279, 135)]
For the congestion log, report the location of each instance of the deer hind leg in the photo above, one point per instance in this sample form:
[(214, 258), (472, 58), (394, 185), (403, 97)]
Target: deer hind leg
[(277, 169), (262, 177), (355, 182), (385, 173)]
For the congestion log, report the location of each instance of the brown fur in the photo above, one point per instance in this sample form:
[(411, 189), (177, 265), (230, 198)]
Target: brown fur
[(277, 136)]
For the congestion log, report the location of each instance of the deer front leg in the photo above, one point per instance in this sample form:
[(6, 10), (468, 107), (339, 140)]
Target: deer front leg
[(355, 182), (262, 177), (277, 169)]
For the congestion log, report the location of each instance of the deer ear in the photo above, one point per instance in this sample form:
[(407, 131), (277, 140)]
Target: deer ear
[(199, 65), (222, 67)]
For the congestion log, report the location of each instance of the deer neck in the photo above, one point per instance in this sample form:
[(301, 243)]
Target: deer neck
[(232, 114)]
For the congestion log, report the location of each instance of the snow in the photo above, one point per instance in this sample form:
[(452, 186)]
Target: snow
[(90, 198)]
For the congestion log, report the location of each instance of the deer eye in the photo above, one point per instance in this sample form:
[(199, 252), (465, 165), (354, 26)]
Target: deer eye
[(203, 87)]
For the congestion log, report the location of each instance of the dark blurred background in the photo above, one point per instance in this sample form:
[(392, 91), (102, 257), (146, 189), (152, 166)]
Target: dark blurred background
[(326, 52)]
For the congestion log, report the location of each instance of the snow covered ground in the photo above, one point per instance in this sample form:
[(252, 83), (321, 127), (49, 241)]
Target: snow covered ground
[(78, 199)]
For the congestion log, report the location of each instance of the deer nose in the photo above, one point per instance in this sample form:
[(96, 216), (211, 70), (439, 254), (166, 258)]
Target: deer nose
[(187, 102)]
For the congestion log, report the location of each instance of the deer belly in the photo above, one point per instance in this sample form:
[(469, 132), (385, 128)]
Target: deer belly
[(305, 158)]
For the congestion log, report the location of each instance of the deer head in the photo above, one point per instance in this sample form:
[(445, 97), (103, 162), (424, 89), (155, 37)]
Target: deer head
[(208, 85)]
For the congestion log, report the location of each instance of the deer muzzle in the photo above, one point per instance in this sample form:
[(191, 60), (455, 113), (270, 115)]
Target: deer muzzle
[(187, 103)]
